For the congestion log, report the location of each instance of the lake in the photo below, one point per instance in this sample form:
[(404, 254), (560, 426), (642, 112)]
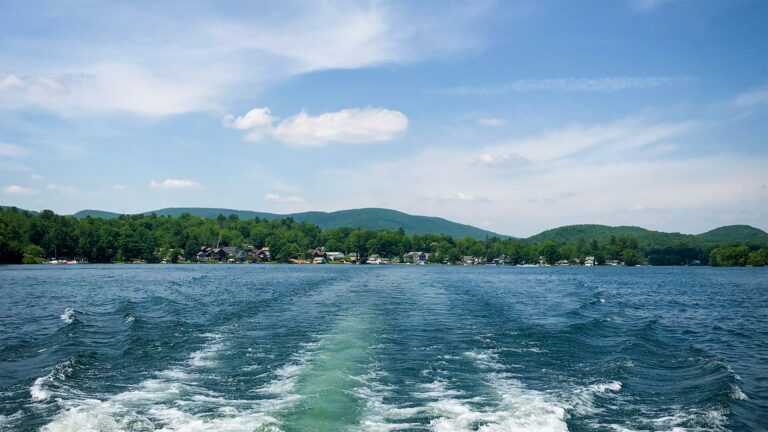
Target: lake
[(382, 348)]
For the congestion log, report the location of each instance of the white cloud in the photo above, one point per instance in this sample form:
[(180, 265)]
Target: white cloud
[(119, 187), (255, 118), (277, 198), (606, 84), (36, 177), (607, 139), (19, 190), (12, 150), (353, 125), (491, 121), (55, 187), (9, 82), (173, 62), (578, 174), (175, 184), (754, 97)]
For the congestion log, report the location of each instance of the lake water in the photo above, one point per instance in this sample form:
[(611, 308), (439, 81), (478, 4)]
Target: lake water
[(382, 348)]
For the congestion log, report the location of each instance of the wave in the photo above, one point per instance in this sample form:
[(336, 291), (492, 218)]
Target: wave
[(158, 403), (68, 316), (46, 386)]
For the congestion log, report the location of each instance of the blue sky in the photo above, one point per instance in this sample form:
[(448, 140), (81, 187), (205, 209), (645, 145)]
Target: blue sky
[(511, 116)]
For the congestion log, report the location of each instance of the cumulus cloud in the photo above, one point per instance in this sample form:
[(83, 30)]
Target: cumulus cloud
[(255, 118), (175, 184), (352, 125), (277, 198), (19, 190)]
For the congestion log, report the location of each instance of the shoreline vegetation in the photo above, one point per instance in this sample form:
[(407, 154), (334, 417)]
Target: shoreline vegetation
[(45, 237)]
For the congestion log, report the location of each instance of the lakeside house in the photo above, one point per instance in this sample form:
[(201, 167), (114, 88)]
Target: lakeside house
[(589, 261), (335, 256), (261, 255), (377, 259), (614, 262), (416, 258)]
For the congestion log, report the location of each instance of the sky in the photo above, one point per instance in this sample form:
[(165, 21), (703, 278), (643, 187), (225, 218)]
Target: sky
[(511, 116)]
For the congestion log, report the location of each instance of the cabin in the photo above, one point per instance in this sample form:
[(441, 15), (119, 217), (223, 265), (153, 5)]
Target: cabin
[(590, 261), (234, 253), (217, 254), (501, 260), (318, 252), (261, 255), (204, 254)]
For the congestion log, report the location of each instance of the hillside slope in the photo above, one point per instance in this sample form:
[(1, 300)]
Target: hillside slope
[(645, 237), (735, 233), (366, 218)]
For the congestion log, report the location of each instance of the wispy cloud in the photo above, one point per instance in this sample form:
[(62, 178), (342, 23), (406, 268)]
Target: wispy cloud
[(10, 81), (19, 190), (55, 187), (353, 125), (608, 84), (175, 184), (491, 121), (751, 98), (646, 5), (277, 198), (12, 150), (220, 52), (584, 173)]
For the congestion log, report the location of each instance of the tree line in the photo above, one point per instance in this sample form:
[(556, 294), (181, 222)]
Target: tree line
[(27, 237)]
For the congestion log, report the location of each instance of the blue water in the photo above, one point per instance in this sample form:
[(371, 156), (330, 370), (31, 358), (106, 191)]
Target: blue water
[(382, 348)]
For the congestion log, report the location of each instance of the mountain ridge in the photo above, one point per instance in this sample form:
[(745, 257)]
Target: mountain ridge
[(380, 218), (372, 218)]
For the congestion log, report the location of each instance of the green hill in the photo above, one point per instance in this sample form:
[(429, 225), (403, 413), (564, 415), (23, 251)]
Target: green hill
[(648, 238), (82, 214), (735, 233), (367, 218)]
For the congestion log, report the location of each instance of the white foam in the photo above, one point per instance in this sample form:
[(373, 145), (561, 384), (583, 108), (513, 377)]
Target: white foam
[(738, 394), (512, 407), (679, 420), (68, 316), (159, 404), (39, 389), (582, 400), (206, 357)]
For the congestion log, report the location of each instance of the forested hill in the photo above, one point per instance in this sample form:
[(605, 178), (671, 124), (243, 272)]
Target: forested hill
[(645, 237), (366, 218)]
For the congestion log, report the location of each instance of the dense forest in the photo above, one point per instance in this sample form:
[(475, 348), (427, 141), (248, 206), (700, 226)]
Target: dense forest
[(27, 237)]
